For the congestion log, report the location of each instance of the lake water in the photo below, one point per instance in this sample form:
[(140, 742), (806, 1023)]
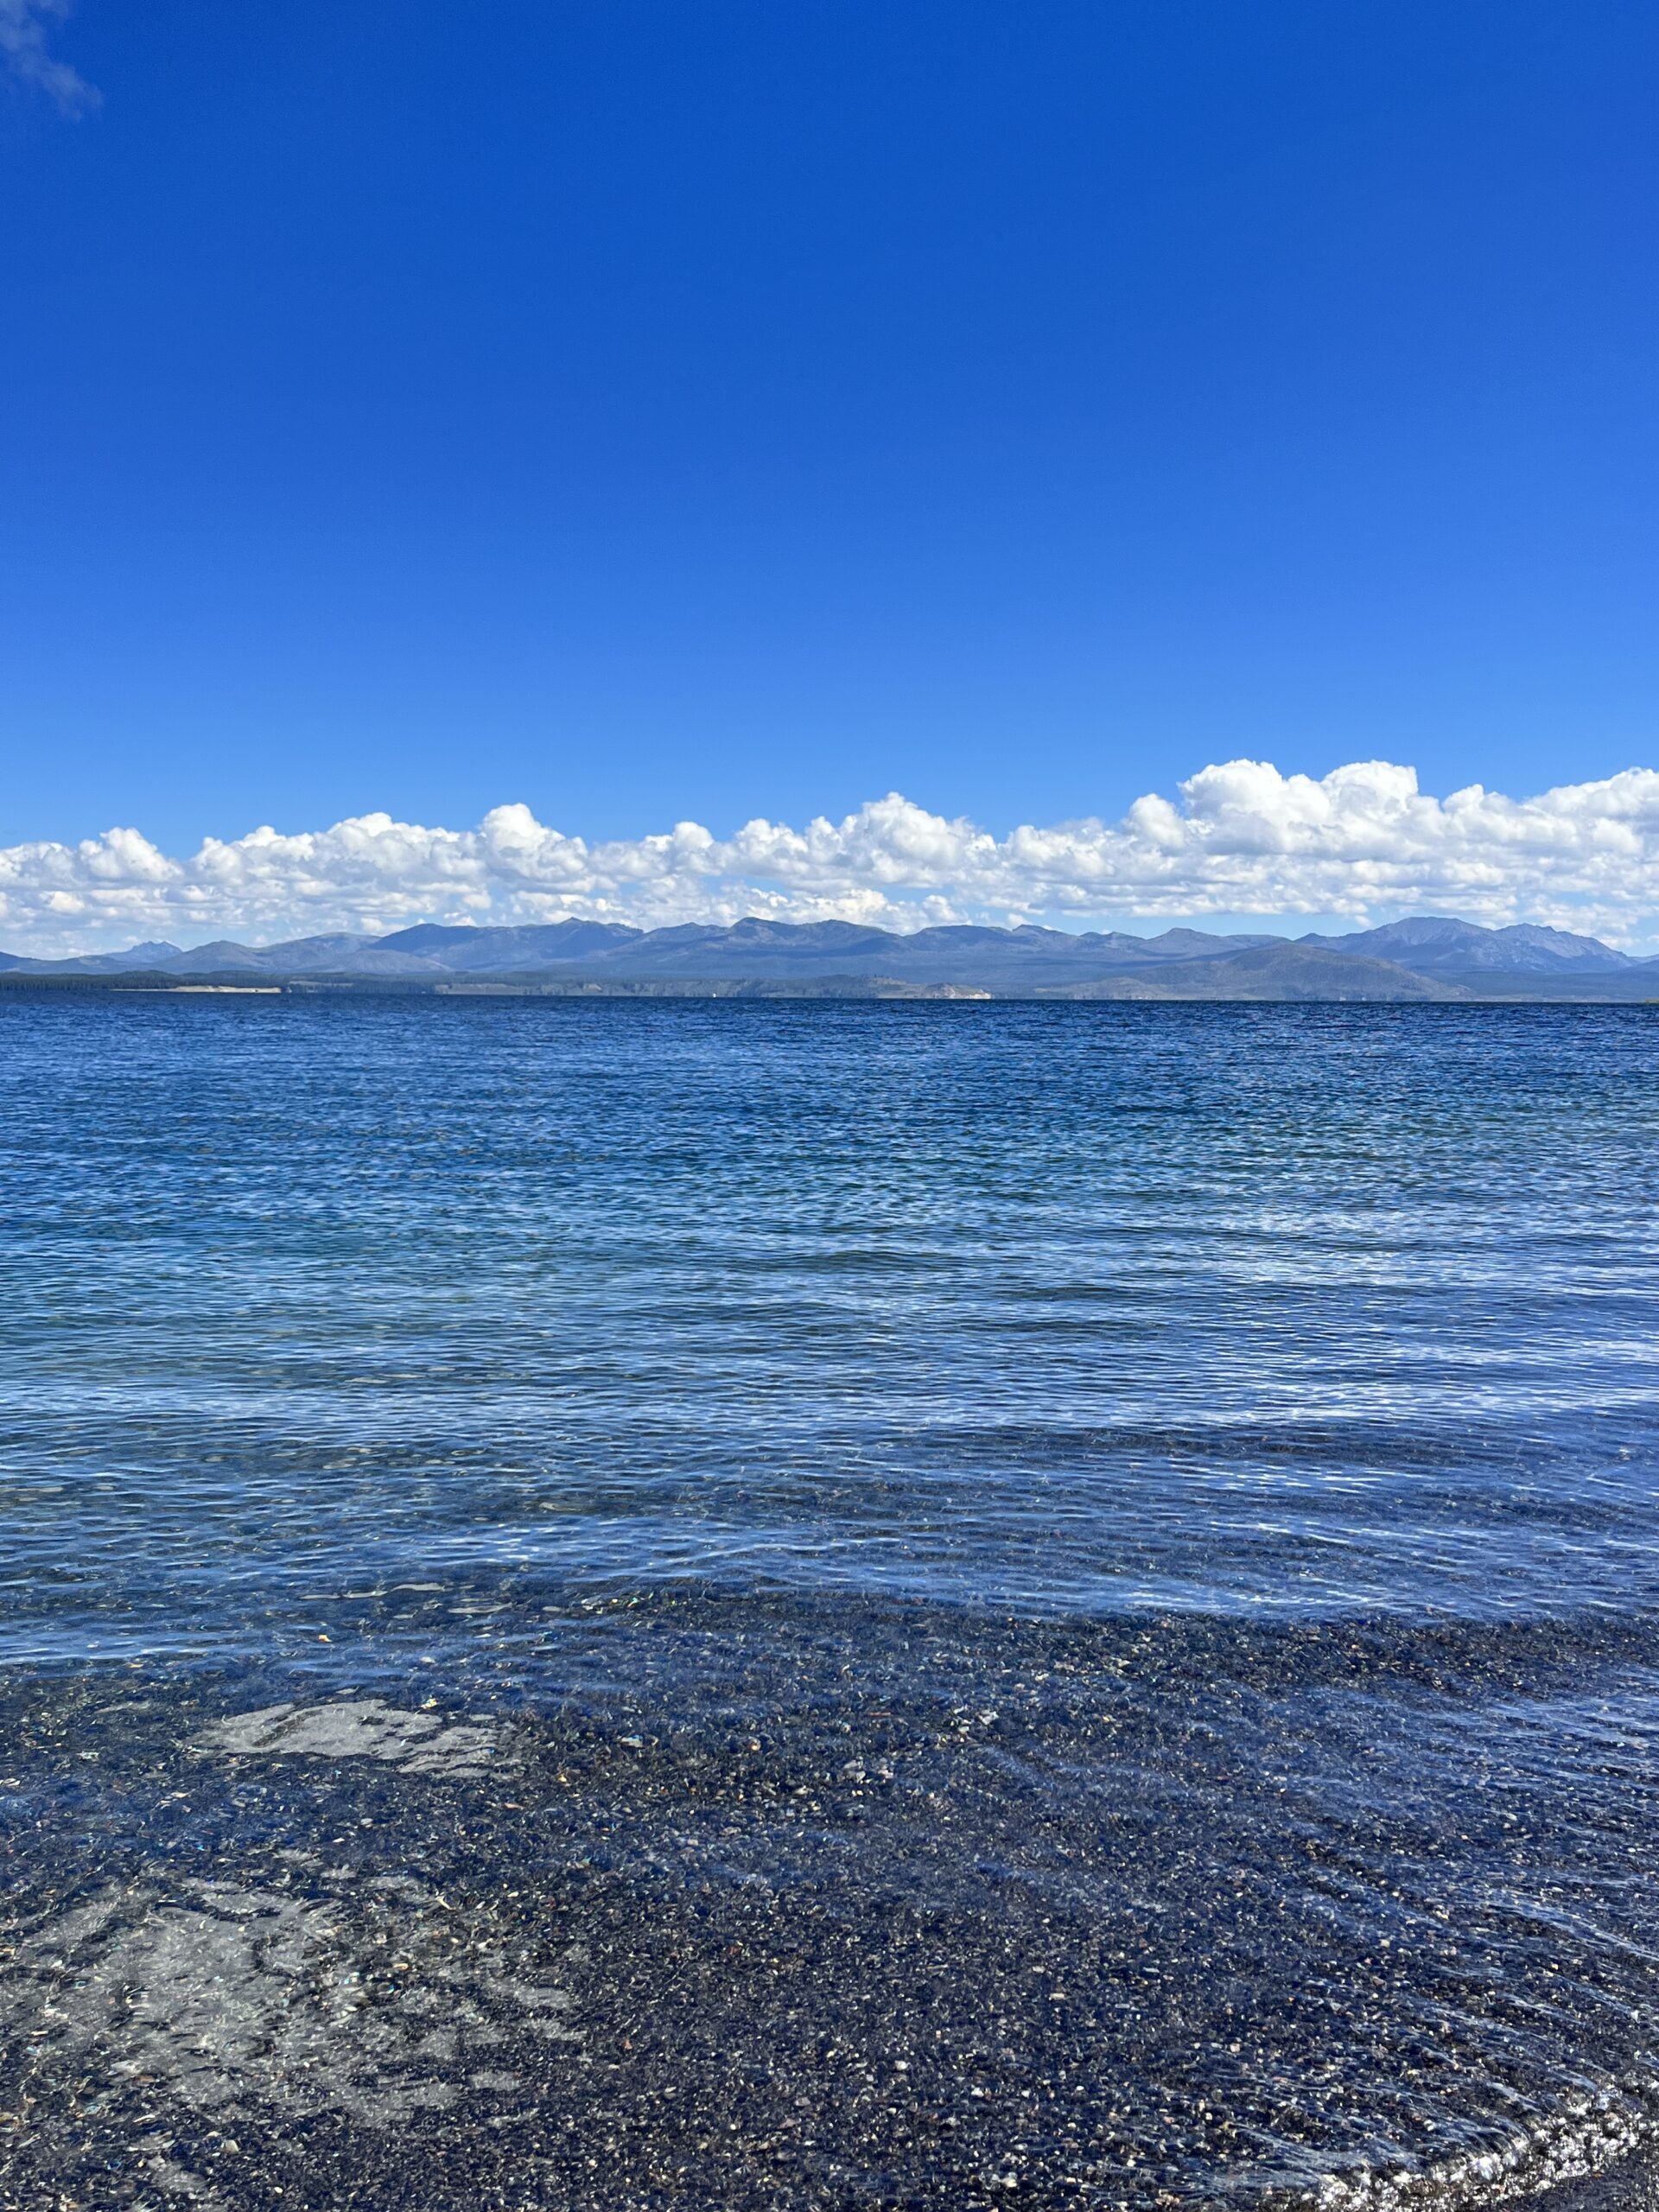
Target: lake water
[(766, 1605)]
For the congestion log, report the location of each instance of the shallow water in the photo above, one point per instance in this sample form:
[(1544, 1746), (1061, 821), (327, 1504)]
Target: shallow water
[(870, 1606)]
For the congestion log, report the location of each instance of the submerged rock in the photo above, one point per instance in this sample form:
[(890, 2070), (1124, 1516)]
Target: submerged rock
[(415, 1743)]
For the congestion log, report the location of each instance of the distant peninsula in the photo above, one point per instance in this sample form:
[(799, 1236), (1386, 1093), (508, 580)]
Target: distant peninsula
[(1430, 957)]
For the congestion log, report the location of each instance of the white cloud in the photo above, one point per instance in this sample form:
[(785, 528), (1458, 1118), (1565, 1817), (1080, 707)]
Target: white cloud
[(23, 47), (1362, 843)]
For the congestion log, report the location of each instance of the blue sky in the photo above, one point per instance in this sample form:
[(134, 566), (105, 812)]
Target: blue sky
[(713, 408)]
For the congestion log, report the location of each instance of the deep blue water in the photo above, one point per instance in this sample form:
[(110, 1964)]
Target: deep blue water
[(1162, 1499)]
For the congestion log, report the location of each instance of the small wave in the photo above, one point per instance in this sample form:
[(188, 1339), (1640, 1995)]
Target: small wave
[(1581, 2139)]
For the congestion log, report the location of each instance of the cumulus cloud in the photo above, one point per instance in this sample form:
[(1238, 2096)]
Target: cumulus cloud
[(23, 26), (1238, 838)]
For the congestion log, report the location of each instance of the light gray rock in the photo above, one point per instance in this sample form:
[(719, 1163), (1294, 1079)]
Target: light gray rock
[(357, 1728)]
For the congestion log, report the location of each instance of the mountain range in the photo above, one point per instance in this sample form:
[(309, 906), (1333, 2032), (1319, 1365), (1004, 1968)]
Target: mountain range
[(1426, 957)]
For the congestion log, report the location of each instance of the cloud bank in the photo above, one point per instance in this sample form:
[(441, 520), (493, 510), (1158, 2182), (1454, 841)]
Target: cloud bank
[(24, 52), (1362, 843)]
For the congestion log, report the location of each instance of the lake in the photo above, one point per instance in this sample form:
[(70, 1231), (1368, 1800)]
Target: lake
[(755, 1605)]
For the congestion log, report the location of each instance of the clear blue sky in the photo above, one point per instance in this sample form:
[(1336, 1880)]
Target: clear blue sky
[(659, 408)]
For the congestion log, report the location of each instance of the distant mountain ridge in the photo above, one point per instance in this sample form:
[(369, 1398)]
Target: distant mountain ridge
[(1425, 956), (1430, 941)]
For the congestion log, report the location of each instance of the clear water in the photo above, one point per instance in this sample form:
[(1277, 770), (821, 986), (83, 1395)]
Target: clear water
[(1062, 1600)]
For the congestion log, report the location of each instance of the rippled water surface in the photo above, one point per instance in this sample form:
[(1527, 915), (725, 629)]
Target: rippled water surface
[(749, 1604)]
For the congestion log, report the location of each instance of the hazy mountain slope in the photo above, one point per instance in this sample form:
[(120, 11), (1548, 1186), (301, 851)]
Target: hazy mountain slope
[(979, 956), (1271, 971), (460, 950), (301, 956), (93, 964), (1430, 943)]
